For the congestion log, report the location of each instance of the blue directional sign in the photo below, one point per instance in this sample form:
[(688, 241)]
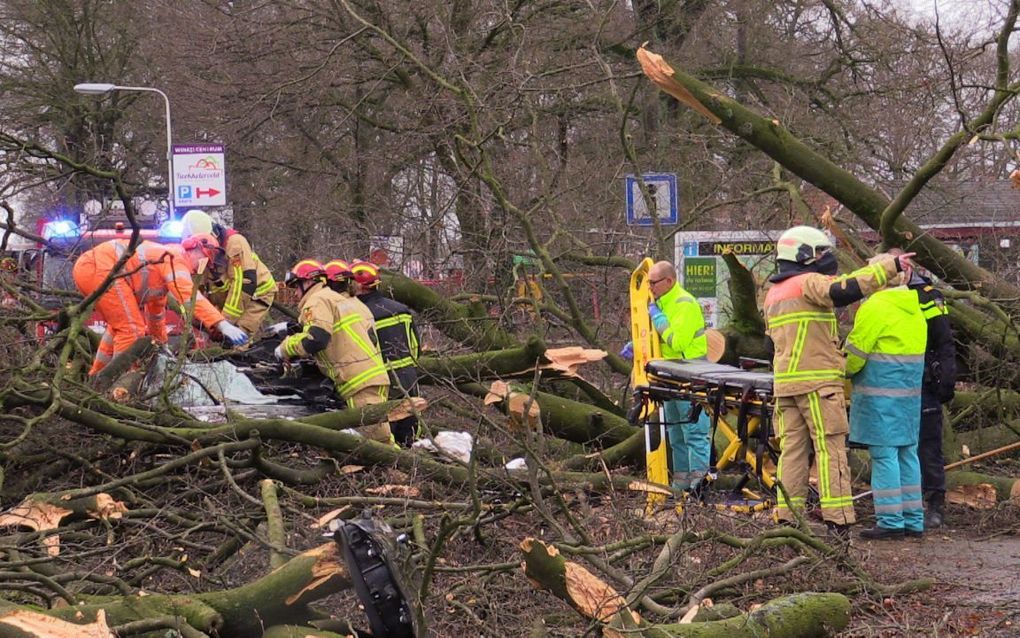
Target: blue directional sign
[(663, 190)]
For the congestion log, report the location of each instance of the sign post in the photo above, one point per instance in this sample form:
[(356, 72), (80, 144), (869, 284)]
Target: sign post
[(200, 175), (663, 190)]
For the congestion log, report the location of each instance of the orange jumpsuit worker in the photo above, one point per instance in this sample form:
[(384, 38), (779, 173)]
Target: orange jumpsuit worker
[(339, 333), (810, 408), (239, 283), (134, 305)]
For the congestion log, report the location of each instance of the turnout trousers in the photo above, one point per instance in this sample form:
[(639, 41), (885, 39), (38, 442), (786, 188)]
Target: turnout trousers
[(816, 420), (896, 481), (689, 445), (372, 395)]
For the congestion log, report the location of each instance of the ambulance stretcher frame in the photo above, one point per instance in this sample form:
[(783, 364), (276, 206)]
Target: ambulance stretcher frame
[(739, 402)]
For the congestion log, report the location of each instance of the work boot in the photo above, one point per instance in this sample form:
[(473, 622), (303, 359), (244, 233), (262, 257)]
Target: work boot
[(882, 534), (838, 532), (913, 533), (934, 514)]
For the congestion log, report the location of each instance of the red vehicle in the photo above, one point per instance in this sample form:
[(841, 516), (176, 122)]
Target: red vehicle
[(67, 241)]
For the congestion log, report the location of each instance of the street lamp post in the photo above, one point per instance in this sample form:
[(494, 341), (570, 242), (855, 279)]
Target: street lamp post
[(93, 88)]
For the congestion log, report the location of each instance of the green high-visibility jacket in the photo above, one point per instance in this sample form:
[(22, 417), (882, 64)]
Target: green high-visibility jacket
[(685, 336), (885, 361)]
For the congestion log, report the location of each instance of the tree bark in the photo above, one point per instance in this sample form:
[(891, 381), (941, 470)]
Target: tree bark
[(804, 615), (279, 597), (769, 136)]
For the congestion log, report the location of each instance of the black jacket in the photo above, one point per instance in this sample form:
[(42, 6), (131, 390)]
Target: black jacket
[(940, 356), (399, 340)]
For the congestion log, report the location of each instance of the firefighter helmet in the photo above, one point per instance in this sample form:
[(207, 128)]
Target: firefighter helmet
[(365, 272), (801, 244), (204, 241), (304, 270), (195, 222), (337, 269)]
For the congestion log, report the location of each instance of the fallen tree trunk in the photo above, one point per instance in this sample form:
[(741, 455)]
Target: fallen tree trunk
[(493, 364), (1006, 488), (745, 330), (804, 615), (280, 597)]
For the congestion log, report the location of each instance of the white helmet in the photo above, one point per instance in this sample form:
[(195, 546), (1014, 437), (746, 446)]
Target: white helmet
[(800, 244), (195, 222)]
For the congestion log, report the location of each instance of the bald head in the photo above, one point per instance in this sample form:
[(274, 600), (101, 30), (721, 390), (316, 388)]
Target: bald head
[(661, 277)]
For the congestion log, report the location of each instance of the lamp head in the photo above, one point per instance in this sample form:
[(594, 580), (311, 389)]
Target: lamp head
[(94, 88)]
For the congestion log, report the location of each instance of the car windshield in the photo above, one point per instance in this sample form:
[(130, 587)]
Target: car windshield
[(56, 275)]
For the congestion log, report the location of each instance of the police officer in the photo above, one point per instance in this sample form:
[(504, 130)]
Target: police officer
[(810, 404), (398, 339), (885, 359), (337, 332), (937, 389)]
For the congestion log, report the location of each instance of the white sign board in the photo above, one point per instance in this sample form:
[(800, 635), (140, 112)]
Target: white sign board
[(663, 190), (200, 175), (703, 273)]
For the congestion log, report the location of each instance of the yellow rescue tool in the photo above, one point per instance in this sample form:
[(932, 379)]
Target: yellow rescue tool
[(646, 348)]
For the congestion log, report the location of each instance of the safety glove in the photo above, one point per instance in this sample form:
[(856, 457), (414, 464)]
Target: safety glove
[(232, 334), (659, 320), (628, 351)]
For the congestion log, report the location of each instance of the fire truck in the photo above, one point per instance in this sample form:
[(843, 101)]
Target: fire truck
[(66, 240)]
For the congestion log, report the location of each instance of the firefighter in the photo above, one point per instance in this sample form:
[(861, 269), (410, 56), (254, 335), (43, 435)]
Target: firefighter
[(134, 305), (680, 324), (885, 360), (399, 341), (337, 332), (239, 283), (938, 387), (810, 407)]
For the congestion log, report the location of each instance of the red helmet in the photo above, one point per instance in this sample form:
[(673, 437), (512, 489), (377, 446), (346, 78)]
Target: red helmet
[(205, 241), (337, 269), (304, 270), (365, 272)]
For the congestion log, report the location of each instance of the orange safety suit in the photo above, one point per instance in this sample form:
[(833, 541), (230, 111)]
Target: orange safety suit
[(809, 372), (338, 331), (134, 305)]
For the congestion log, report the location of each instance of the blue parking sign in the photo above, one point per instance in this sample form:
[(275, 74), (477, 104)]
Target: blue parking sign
[(663, 190)]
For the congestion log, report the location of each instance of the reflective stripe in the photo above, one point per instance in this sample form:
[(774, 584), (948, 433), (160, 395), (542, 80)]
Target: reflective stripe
[(290, 346), (400, 363), (790, 317), (890, 493), (353, 384), (913, 504), (359, 380), (798, 346), (809, 375), (890, 508), (824, 491), (884, 356), (699, 333), (836, 502), (232, 304), (265, 287), (872, 391)]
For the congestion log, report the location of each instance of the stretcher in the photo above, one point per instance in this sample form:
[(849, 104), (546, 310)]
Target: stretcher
[(739, 403), (646, 349)]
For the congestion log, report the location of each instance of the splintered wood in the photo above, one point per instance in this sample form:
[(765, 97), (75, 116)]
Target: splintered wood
[(524, 412)]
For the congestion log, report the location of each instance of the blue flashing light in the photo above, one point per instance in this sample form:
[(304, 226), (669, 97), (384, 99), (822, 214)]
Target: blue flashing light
[(171, 229), (60, 229)]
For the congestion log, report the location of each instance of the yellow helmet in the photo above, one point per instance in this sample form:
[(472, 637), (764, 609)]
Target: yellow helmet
[(195, 222), (801, 244)]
